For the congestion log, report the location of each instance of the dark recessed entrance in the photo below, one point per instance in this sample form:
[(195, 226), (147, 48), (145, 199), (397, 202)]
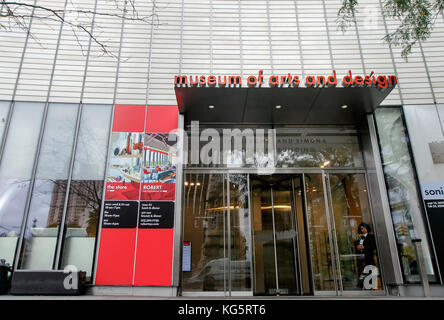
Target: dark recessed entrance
[(299, 106), (280, 251)]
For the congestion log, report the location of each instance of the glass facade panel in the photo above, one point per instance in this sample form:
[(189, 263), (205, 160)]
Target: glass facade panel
[(206, 230), (402, 192), (49, 190), (289, 147), (15, 173), (85, 194), (285, 228), (262, 214), (274, 234), (217, 228), (356, 249), (240, 252), (319, 235)]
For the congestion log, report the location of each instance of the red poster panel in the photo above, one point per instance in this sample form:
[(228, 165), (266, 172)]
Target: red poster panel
[(162, 119), (122, 191), (154, 257), (115, 263), (116, 257), (129, 118), (159, 166), (141, 166)]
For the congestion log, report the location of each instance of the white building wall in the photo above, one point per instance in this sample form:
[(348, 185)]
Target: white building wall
[(213, 37)]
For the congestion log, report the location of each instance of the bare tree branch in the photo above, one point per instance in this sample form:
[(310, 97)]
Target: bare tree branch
[(19, 14)]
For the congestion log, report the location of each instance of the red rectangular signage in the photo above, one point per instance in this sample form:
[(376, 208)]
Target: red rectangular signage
[(116, 257), (136, 240)]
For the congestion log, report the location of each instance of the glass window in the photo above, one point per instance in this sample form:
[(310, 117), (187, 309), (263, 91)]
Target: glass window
[(320, 242), (48, 195), (205, 229), (284, 147), (402, 191), (356, 247), (217, 233), (15, 173), (318, 147), (240, 258), (85, 194)]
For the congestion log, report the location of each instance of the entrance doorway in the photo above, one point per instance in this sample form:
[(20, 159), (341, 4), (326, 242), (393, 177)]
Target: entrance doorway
[(217, 236), (277, 234), (280, 250)]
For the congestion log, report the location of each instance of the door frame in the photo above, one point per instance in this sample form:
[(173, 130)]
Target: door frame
[(336, 265), (226, 203), (296, 245), (294, 172)]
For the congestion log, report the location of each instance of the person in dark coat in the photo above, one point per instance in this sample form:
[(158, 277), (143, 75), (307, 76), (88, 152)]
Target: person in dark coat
[(367, 246), (367, 243)]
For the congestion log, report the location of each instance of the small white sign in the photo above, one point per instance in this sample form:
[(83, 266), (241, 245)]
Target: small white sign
[(433, 190), (186, 256)]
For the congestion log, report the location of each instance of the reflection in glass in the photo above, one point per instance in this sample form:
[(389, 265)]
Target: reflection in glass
[(15, 173), (319, 240), (240, 264), (314, 147), (208, 222), (402, 192), (351, 208), (49, 190), (204, 226), (274, 235), (270, 148), (265, 267), (85, 194)]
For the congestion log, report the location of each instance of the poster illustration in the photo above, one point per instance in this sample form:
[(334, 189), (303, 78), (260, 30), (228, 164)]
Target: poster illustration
[(159, 166), (124, 169)]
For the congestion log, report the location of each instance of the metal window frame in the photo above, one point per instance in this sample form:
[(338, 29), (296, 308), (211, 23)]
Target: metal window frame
[(307, 235), (62, 222), (9, 117), (382, 192), (226, 219), (438, 276), (100, 220), (436, 267)]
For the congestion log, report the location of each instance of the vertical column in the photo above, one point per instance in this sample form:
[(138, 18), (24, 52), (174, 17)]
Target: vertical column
[(115, 264), (136, 243), (155, 234)]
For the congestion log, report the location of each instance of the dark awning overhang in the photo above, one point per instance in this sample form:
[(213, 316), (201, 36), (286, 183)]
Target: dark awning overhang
[(300, 106)]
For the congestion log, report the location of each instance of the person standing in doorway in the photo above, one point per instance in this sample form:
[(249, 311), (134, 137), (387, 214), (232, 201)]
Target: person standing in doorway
[(367, 246)]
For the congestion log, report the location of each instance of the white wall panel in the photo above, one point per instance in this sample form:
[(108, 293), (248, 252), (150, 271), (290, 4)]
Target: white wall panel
[(165, 53), (218, 37), (313, 32), (433, 52), (285, 52), (133, 68), (44, 37), (103, 67), (11, 51)]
